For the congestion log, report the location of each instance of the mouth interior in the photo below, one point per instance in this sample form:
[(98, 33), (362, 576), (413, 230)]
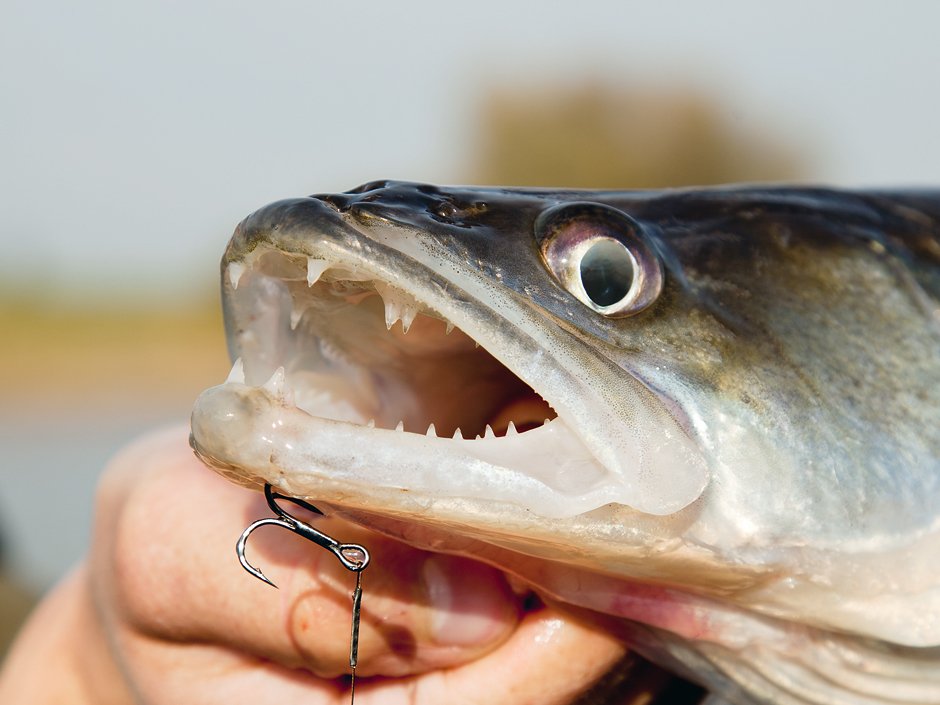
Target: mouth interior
[(360, 349)]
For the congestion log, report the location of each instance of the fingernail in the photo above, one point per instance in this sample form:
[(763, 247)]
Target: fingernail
[(470, 602)]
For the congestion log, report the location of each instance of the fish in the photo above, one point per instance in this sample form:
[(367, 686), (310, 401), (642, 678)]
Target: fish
[(711, 412)]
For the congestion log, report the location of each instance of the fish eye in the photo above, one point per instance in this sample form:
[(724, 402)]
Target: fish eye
[(607, 272), (600, 255)]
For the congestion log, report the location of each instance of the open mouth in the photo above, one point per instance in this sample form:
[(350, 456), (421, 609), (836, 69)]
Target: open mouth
[(350, 331), (352, 348), (401, 366)]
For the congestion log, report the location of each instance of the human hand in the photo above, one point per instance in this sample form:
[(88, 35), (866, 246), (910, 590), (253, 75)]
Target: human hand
[(162, 612)]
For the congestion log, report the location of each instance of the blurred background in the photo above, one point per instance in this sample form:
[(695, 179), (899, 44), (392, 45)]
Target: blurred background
[(135, 136)]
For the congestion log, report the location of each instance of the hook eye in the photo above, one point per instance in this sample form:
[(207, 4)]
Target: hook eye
[(353, 556)]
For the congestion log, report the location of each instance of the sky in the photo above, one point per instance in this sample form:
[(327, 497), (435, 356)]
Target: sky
[(135, 135)]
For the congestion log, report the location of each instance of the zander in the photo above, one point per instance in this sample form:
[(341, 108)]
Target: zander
[(712, 412)]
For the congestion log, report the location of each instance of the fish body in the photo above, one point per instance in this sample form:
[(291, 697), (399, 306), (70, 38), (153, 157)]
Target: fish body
[(743, 387)]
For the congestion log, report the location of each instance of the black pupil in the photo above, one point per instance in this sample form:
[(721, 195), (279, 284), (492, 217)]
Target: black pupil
[(607, 272)]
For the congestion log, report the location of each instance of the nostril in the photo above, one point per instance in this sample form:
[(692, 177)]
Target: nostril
[(370, 186), (337, 201)]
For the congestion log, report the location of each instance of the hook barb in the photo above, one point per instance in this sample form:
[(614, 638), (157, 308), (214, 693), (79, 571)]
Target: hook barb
[(243, 542)]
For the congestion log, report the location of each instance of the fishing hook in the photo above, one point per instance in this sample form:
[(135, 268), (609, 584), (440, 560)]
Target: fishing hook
[(353, 556)]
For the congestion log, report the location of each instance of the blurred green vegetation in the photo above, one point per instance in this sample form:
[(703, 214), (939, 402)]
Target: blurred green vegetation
[(59, 358)]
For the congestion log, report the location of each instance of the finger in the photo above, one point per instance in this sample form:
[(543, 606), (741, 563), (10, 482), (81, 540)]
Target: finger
[(551, 659), (167, 673), (165, 566)]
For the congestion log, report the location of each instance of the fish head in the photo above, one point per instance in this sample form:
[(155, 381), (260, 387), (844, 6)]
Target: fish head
[(721, 400)]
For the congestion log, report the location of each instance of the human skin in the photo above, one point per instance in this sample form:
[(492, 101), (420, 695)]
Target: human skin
[(161, 611)]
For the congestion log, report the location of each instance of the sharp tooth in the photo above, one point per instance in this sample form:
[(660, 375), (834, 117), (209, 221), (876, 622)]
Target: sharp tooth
[(400, 426), (235, 271), (330, 352), (431, 432), (476, 344), (276, 383), (408, 315), (371, 423), (450, 327), (296, 313), (388, 300), (399, 304), (237, 374), (315, 269), (488, 433), (392, 313), (458, 436), (511, 429)]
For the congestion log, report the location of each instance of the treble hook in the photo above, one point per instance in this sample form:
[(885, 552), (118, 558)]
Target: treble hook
[(353, 556)]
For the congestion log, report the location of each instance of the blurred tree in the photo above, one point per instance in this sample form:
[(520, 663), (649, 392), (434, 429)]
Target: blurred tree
[(599, 136)]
